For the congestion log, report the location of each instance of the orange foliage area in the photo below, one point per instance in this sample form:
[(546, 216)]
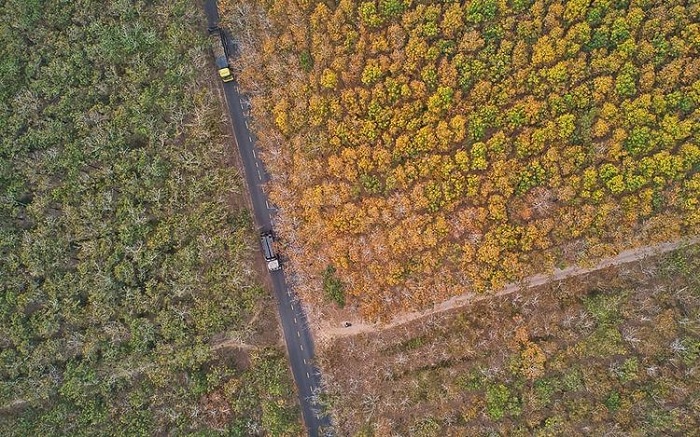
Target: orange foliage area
[(429, 149)]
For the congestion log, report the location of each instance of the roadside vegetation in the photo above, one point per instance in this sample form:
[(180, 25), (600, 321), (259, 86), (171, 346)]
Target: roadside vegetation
[(424, 149), (130, 303), (616, 352)]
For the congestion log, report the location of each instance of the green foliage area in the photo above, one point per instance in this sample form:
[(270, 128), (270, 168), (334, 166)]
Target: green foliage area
[(121, 255), (333, 287), (615, 349), (579, 121), (307, 62), (262, 397), (500, 401), (604, 307)]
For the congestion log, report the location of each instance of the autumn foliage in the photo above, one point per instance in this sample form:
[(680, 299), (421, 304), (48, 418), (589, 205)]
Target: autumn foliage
[(426, 148)]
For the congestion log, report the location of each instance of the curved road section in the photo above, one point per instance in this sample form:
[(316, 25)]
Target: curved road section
[(300, 349)]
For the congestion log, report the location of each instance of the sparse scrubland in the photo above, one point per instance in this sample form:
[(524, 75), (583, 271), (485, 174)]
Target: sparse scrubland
[(616, 352), (421, 149), (129, 302)]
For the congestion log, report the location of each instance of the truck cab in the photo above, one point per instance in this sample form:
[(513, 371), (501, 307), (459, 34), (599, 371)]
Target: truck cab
[(266, 241), (217, 38)]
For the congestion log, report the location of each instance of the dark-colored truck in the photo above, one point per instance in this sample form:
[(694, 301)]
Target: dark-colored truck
[(266, 241), (220, 49)]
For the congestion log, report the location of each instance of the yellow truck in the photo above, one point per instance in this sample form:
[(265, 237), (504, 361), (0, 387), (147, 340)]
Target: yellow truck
[(220, 49)]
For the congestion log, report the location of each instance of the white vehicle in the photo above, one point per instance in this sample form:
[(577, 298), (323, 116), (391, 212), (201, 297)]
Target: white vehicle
[(266, 240)]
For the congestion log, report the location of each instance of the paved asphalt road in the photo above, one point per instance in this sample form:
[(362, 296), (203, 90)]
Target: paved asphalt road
[(297, 336)]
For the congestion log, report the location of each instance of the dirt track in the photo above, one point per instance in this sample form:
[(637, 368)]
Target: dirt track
[(624, 257)]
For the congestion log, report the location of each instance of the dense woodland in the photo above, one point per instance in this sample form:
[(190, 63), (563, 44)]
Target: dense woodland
[(615, 352), (420, 149), (129, 302)]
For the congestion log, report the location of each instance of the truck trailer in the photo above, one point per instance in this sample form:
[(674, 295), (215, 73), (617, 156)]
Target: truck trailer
[(220, 49), (266, 241)]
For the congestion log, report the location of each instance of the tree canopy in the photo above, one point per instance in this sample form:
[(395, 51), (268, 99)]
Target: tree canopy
[(127, 270), (427, 148)]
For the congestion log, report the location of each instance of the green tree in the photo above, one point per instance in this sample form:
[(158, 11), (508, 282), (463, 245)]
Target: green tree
[(333, 286)]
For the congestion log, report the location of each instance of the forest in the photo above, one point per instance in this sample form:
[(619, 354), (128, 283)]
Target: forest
[(615, 352), (423, 149), (130, 303)]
